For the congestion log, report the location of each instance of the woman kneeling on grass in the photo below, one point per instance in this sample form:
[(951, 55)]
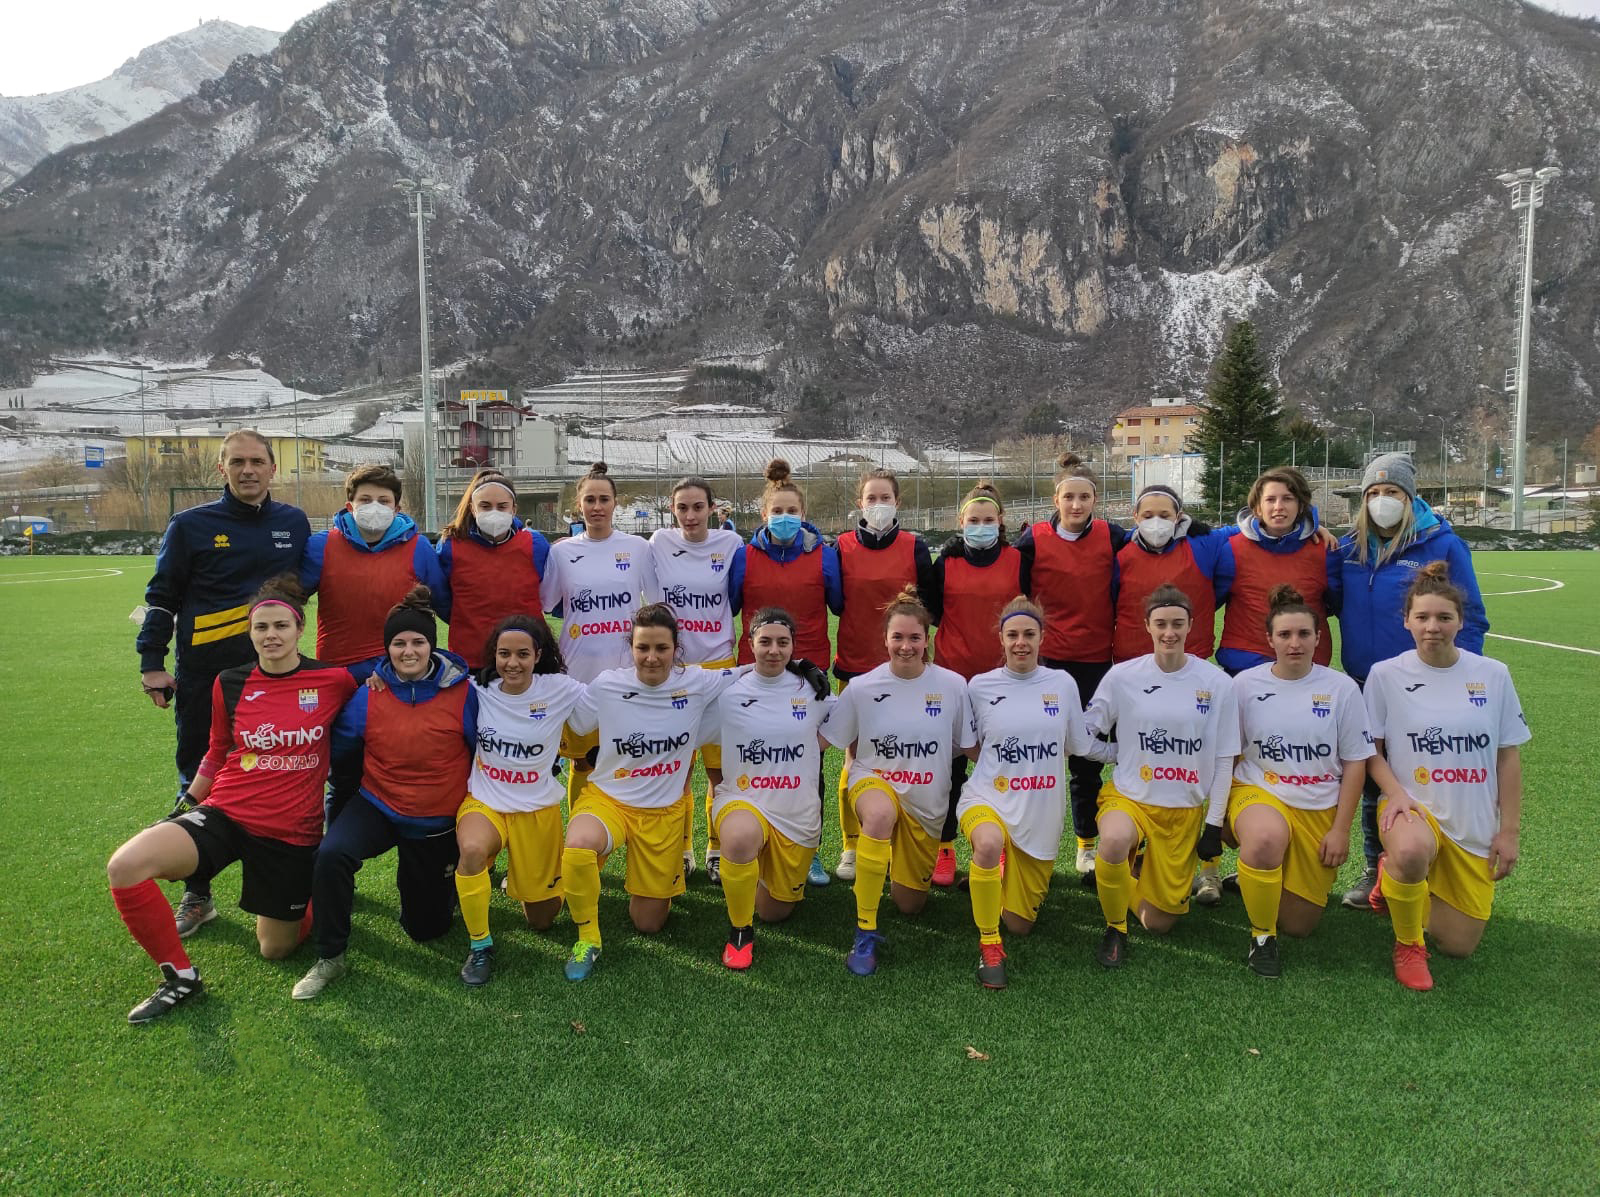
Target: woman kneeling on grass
[(1177, 730), (408, 735), (649, 717), (1297, 784), (1448, 724), (904, 722), (764, 806), (514, 798), (1030, 722), (259, 791)]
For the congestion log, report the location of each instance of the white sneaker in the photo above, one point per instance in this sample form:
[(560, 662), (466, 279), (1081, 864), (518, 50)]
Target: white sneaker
[(1208, 886), (323, 973), (847, 865), (1085, 860), (688, 863)]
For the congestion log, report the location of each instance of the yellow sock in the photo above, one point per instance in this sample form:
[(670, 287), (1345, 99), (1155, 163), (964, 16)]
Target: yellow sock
[(713, 842), (580, 876), (1408, 907), (577, 778), (984, 886), (1084, 845), (849, 825), (739, 890), (872, 866), (1262, 891), (1114, 883), (474, 894)]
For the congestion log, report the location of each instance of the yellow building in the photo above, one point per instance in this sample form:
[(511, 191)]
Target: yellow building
[(205, 444), (1158, 428)]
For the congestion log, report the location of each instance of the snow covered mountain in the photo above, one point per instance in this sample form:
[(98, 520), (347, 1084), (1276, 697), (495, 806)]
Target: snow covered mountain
[(33, 126)]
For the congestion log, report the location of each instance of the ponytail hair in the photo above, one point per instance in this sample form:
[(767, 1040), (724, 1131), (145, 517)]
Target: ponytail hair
[(908, 602), (1284, 599), (1070, 465), (779, 482), (600, 472), (983, 491), (1434, 578), (1022, 605)]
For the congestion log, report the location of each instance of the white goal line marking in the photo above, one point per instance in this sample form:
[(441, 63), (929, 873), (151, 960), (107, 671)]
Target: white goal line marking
[(1570, 648), (77, 575), (1553, 585)]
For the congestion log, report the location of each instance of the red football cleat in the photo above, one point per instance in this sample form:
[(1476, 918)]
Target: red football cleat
[(944, 868), (740, 949), (1411, 966), (1375, 899)]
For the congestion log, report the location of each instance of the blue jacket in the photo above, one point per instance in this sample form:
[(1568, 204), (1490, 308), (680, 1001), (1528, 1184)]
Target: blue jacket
[(1372, 600), (1236, 660), (350, 729), (424, 561), (810, 540), (540, 554), (212, 560)]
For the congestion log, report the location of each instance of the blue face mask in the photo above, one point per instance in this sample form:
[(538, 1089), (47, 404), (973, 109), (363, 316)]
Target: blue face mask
[(980, 536), (783, 528)]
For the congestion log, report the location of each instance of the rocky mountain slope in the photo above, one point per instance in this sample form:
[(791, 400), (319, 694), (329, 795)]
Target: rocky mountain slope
[(33, 126), (924, 215)]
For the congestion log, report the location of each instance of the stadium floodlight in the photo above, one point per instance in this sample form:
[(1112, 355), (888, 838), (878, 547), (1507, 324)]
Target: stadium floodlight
[(420, 193), (1527, 192)]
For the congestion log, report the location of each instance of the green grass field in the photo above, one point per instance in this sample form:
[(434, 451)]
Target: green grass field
[(666, 1074)]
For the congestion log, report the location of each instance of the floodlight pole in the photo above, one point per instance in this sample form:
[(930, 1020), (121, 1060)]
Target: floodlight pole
[(420, 192), (1527, 192)]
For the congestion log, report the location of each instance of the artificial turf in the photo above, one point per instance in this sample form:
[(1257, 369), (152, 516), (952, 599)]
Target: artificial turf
[(665, 1073)]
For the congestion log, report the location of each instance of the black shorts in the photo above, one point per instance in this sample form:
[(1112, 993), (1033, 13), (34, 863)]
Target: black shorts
[(277, 876)]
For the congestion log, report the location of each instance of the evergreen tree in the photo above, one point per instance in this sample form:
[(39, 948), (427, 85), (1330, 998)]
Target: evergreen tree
[(1240, 411)]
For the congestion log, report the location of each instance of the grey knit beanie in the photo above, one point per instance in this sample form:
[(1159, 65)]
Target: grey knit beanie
[(1397, 469)]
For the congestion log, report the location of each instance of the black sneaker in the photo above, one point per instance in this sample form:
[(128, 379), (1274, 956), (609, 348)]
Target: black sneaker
[(1263, 957), (1230, 883), (1113, 949), (479, 966), (991, 966), (173, 989)]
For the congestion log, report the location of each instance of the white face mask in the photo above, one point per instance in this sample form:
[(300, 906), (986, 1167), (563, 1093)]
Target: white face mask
[(494, 524), (1385, 510), (373, 518), (1156, 532), (879, 516)]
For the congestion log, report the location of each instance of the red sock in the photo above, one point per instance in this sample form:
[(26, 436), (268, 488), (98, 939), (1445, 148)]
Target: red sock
[(149, 917), (305, 926)]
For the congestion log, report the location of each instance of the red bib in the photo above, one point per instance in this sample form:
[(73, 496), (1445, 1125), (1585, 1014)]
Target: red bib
[(1256, 572), (795, 586), (355, 595), (487, 583), (1142, 572), (417, 759), (872, 578), (1072, 582), (969, 634)]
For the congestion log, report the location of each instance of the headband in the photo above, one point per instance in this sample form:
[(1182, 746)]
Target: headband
[(497, 481), (1028, 614), (1157, 488), (982, 499), (1089, 478), (411, 619), (299, 616)]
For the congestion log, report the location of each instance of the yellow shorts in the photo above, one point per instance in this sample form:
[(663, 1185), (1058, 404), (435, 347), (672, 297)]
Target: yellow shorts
[(1456, 875), (783, 862), (532, 839), (652, 835), (1026, 879), (576, 747), (1170, 834), (1304, 874), (912, 850)]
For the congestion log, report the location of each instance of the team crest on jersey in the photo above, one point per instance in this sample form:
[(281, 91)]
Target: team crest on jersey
[(538, 710), (220, 541), (680, 699), (718, 561), (1052, 704), (1322, 705), (933, 703), (797, 708), (622, 562), (1202, 701), (1477, 694), (309, 700)]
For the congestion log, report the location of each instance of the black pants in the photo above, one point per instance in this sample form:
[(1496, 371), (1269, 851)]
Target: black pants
[(958, 779), (1083, 774), (426, 877), (191, 705)]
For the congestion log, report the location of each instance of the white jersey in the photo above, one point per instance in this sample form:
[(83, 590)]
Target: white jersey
[(1441, 730), (598, 585), (1171, 728), (1027, 727), (648, 734), (518, 735), (694, 581), (906, 733), (1294, 735), (770, 753)]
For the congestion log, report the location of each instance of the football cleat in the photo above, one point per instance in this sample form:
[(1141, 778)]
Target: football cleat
[(172, 990)]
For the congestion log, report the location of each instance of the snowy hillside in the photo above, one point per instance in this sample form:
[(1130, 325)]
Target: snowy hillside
[(32, 127)]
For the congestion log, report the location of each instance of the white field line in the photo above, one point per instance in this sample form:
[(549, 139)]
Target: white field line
[(1570, 648), (78, 575), (1553, 585)]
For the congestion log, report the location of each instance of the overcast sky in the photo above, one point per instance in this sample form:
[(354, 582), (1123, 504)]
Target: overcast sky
[(48, 45)]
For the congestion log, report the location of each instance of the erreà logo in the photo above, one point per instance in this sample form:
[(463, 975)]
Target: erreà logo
[(1477, 694), (220, 541)]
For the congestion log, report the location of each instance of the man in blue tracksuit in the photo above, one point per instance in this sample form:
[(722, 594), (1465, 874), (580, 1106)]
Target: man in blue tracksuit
[(213, 558), (1395, 535)]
